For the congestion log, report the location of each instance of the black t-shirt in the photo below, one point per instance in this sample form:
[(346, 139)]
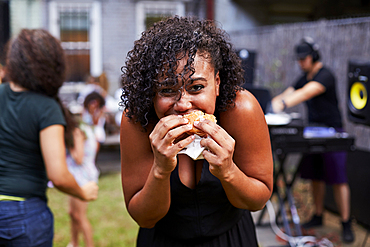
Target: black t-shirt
[(323, 109), (22, 116)]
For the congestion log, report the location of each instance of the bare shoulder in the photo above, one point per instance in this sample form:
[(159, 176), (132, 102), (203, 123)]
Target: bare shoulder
[(246, 124), (246, 110)]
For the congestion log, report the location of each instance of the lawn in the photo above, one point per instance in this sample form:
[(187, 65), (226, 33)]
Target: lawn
[(108, 216)]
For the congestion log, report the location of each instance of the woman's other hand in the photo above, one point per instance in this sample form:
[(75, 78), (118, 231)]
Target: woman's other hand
[(166, 142), (219, 149)]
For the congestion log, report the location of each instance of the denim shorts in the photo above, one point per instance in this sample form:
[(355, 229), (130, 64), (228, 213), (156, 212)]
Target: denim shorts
[(26, 223)]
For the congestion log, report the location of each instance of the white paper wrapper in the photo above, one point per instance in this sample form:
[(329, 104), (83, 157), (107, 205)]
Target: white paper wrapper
[(194, 149)]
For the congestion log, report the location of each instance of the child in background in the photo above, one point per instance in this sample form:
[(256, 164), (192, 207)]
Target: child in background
[(83, 145)]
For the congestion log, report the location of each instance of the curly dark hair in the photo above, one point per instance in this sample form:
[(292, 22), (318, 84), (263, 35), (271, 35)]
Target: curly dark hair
[(156, 54), (35, 60)]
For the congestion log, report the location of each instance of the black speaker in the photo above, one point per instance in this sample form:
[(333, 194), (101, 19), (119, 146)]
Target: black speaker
[(248, 58), (358, 91)]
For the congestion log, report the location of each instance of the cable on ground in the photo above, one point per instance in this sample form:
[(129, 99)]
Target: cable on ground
[(299, 241)]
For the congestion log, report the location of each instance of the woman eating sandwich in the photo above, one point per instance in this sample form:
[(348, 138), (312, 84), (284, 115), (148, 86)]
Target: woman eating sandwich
[(177, 67)]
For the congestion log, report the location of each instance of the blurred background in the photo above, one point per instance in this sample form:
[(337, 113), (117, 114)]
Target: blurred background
[(97, 34)]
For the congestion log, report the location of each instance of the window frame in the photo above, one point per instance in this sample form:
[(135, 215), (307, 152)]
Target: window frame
[(95, 34), (177, 7)]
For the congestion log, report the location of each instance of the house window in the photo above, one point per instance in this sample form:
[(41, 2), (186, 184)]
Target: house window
[(78, 26), (74, 34), (149, 12)]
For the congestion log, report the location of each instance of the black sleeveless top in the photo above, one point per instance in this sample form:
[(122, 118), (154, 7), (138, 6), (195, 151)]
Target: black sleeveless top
[(200, 217)]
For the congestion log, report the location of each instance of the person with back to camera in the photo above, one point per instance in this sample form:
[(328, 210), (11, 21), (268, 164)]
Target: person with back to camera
[(32, 148), (177, 67), (82, 147), (317, 87)]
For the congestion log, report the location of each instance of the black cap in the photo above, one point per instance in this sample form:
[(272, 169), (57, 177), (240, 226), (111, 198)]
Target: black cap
[(303, 50)]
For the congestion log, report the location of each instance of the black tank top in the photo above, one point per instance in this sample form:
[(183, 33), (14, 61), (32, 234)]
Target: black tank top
[(201, 212), (199, 215)]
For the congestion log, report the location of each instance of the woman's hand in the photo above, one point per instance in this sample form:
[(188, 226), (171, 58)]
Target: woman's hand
[(90, 190), (219, 150), (166, 142), (239, 153)]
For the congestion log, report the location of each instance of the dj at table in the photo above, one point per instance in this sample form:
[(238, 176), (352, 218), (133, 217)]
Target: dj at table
[(317, 88)]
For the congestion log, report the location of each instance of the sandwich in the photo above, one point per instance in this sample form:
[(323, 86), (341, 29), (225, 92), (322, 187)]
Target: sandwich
[(198, 116)]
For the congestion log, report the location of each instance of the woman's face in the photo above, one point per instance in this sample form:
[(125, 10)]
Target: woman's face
[(199, 92)]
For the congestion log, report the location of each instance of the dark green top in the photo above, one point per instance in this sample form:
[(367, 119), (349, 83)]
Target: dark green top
[(22, 116)]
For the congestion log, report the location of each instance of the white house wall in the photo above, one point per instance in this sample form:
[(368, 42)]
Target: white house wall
[(118, 28), (25, 14), (231, 17), (118, 36)]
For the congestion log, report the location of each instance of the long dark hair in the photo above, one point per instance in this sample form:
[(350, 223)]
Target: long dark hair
[(71, 125)]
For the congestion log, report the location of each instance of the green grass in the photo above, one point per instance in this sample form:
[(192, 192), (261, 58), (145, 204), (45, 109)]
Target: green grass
[(109, 218)]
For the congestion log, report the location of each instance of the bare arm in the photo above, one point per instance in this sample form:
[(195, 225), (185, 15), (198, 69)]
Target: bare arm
[(293, 97), (240, 154), (146, 165), (54, 154), (284, 94)]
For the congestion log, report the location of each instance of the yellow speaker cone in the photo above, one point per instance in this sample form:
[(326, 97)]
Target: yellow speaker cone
[(358, 95)]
